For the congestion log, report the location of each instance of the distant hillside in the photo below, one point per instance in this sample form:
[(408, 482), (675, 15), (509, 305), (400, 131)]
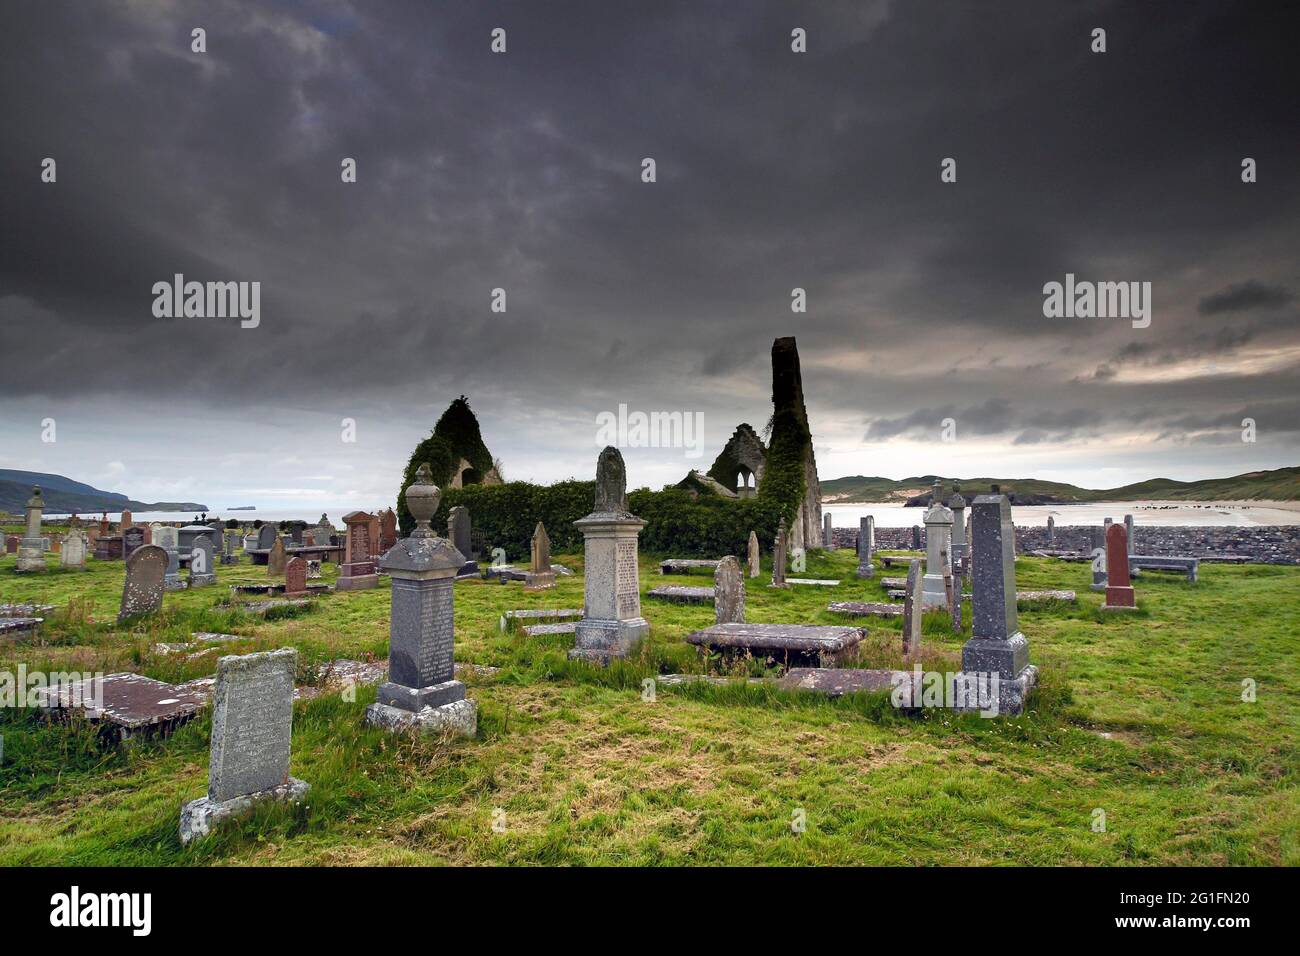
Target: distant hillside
[(63, 494), (1281, 484)]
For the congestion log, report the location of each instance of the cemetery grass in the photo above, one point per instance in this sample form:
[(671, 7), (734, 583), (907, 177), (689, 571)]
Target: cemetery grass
[(1138, 715)]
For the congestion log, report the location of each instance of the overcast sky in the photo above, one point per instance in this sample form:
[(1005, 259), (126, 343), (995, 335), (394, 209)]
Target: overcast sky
[(523, 171)]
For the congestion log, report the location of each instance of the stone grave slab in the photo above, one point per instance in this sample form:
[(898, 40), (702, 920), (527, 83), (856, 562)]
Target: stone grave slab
[(510, 618), (815, 582), (687, 565), (836, 682), (19, 628), (563, 627), (865, 609), (681, 594), (795, 644), (131, 704)]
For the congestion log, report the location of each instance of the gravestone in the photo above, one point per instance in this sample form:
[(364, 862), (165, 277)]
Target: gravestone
[(916, 537), (252, 726), (957, 545), (1119, 589), (779, 550), (458, 530), (324, 531), (266, 537), (828, 533), (230, 541), (1098, 536), (74, 550), (125, 521), (132, 538), (728, 592), (866, 546), (387, 530), (31, 550), (612, 620), (276, 558), (997, 647), (540, 575), (1128, 531), (142, 590), (422, 693), (295, 577), (296, 529), (168, 539), (913, 608), (11, 543), (357, 572), (1051, 531), (755, 556), (202, 555), (938, 535)]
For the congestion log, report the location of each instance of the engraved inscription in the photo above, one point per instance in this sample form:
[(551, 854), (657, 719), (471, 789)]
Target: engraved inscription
[(252, 721), (626, 586)]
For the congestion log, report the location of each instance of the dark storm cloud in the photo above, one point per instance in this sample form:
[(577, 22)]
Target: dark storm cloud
[(775, 171), (1241, 296)]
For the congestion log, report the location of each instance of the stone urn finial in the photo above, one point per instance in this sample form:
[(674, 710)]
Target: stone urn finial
[(422, 499)]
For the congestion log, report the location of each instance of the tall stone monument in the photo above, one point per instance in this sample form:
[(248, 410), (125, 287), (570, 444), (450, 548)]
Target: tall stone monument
[(866, 546), (828, 532), (1051, 531), (387, 530), (357, 572), (252, 726), (755, 556), (728, 592), (957, 549), (938, 534), (612, 620), (913, 608), (1119, 589), (997, 646), (422, 693), (539, 575), (780, 550), (459, 530), (31, 550)]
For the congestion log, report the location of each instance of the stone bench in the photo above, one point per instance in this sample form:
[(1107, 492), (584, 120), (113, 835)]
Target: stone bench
[(790, 644), (686, 565), (679, 594), (1187, 566)]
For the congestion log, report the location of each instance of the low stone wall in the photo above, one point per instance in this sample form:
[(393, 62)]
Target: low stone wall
[(1264, 545)]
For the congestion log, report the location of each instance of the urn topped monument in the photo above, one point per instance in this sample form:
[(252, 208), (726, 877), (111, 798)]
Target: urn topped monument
[(612, 620), (422, 693)]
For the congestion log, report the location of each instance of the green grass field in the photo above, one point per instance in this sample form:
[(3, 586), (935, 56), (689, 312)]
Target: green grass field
[(1140, 716)]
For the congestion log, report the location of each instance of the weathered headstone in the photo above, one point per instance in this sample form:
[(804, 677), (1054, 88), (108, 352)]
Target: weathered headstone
[(323, 533), (938, 535), (459, 530), (276, 558), (357, 572), (1051, 531), (755, 556), (387, 529), (125, 521), (1128, 531), (957, 546), (31, 550), (74, 550), (422, 692), (779, 551), (916, 537), (828, 532), (266, 537), (132, 538), (540, 575), (295, 577), (866, 546), (142, 590), (612, 620), (728, 592), (168, 539), (913, 608), (252, 726), (1119, 589), (997, 646), (202, 556), (1098, 536), (230, 541)]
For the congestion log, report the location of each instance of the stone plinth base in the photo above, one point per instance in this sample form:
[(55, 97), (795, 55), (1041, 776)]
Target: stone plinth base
[(866, 571), (1008, 658), (1012, 695), (1120, 599), (356, 582), (198, 817), (539, 580), (933, 591), (173, 582), (415, 699), (599, 641), (31, 555), (201, 580), (459, 718)]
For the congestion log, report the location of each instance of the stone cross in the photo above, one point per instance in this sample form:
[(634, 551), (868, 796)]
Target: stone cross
[(728, 592), (252, 727), (142, 589), (1119, 588), (866, 546), (913, 608), (422, 692), (779, 549), (755, 557), (996, 646)]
